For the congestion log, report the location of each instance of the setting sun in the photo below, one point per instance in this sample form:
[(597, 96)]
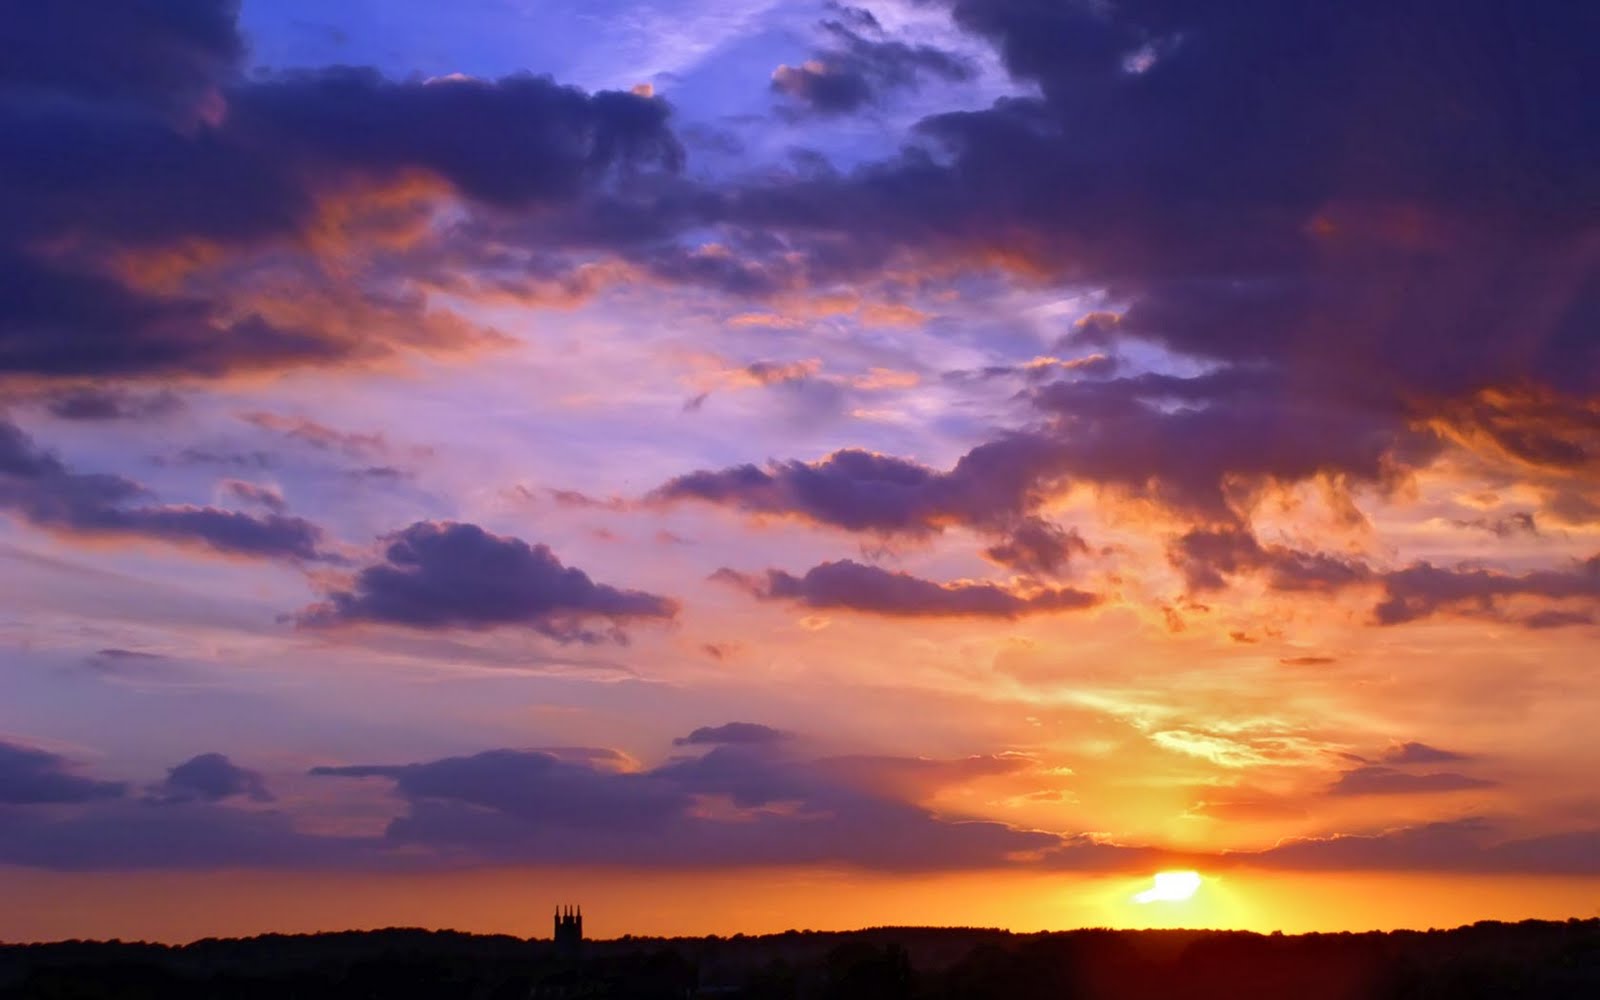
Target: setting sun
[(1170, 887)]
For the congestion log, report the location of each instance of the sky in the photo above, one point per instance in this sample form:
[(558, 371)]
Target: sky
[(767, 464)]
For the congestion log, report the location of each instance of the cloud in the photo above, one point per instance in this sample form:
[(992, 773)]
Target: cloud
[(866, 492), (211, 777), (853, 586), (1522, 522), (1038, 547), (196, 186), (1471, 844), (167, 55), (1375, 780), (37, 486), (732, 733), (447, 574), (265, 496), (29, 776), (733, 806), (1401, 284), (1360, 222), (1412, 752), (854, 71), (1199, 447), (134, 835), (538, 789), (1208, 558), (95, 403), (319, 436), (57, 322), (1422, 590)]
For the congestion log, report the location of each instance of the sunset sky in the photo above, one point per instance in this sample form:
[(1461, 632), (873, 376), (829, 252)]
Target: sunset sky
[(742, 464)]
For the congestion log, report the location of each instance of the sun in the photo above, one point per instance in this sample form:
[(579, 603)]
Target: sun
[(1170, 887)]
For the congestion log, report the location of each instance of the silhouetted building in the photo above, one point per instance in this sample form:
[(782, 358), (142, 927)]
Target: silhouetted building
[(569, 931)]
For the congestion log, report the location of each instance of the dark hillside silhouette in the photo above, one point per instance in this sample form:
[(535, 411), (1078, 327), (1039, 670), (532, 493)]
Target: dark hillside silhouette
[(1534, 959)]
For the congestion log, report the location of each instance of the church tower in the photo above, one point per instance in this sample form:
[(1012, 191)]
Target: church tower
[(569, 931)]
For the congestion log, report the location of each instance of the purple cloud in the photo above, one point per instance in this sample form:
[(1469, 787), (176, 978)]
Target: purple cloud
[(451, 575), (29, 776), (1412, 752), (1376, 780), (211, 777), (849, 585), (732, 733), (36, 485)]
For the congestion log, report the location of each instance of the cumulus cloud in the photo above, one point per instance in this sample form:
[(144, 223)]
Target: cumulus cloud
[(211, 777), (438, 575), (853, 586), (734, 733), (863, 491)]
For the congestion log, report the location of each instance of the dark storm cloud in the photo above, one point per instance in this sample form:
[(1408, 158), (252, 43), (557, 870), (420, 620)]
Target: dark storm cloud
[(855, 70), (126, 129), (1186, 442), (453, 575), (211, 777), (40, 488), (1376, 780), (167, 53), (1194, 158), (31, 777), (743, 733), (515, 141), (1375, 275), (58, 321), (853, 586)]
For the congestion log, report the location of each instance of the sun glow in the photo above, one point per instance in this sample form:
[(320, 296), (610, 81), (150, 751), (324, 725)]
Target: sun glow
[(1170, 887)]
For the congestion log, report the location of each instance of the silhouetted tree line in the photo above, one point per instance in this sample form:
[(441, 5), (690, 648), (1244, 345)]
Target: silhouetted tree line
[(1533, 959)]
